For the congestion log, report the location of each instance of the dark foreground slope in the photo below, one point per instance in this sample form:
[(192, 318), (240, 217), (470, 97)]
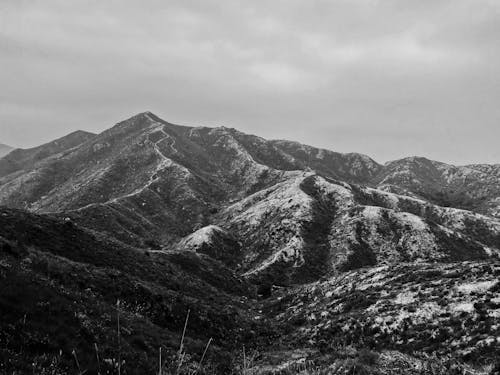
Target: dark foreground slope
[(61, 284), (60, 287)]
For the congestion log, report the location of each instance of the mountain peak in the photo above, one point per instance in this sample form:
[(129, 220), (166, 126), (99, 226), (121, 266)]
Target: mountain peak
[(146, 114), (81, 133), (141, 116), (142, 120)]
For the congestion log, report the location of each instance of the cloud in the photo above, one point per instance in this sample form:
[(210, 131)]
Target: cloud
[(388, 78)]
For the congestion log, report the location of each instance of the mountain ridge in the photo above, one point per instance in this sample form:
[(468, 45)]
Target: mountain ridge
[(19, 159), (5, 149), (354, 167), (145, 180)]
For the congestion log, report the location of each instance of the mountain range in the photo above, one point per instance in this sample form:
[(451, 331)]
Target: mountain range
[(306, 256)]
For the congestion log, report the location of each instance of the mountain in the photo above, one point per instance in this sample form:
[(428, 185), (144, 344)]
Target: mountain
[(26, 159), (303, 254), (300, 213), (4, 149), (145, 177), (473, 187)]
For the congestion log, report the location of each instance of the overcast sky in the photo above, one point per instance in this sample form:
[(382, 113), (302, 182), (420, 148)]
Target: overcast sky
[(388, 78)]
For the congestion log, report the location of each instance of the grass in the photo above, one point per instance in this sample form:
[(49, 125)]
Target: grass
[(60, 314)]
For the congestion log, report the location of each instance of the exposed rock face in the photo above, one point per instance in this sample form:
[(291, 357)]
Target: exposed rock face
[(308, 226), (213, 241), (182, 216)]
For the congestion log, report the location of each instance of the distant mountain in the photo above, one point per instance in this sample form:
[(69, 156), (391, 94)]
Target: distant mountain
[(4, 149), (289, 248), (26, 159), (473, 187)]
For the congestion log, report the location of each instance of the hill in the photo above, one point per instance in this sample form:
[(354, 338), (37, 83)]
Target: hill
[(21, 160), (60, 287), (5, 149)]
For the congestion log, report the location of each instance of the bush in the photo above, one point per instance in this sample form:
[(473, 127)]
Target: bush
[(368, 357)]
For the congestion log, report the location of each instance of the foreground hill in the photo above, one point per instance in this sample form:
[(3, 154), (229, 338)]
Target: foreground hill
[(61, 284), (444, 314), (60, 287)]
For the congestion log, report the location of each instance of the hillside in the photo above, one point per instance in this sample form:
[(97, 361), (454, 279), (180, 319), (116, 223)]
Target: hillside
[(5, 149), (472, 187), (140, 177), (447, 313), (61, 283), (21, 160), (304, 256), (308, 227)]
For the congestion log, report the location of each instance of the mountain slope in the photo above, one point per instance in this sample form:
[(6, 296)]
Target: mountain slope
[(146, 177), (472, 187), (307, 227), (5, 149), (60, 284), (229, 163), (449, 310), (26, 159)]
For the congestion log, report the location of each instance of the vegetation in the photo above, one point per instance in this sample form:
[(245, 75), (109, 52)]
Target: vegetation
[(308, 275)]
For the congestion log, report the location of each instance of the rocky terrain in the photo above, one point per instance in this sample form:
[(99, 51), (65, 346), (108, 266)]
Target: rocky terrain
[(306, 260)]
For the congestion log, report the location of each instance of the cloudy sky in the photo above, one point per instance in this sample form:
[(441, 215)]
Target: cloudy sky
[(388, 78)]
